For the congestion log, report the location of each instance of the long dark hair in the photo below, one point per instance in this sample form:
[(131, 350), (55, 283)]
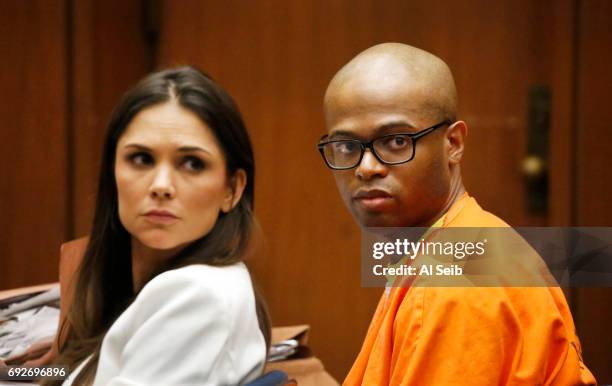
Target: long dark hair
[(104, 288)]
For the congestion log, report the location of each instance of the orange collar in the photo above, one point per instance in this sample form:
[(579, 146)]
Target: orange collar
[(455, 209)]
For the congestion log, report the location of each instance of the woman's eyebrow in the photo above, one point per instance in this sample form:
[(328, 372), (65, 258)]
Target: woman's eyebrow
[(193, 148), (137, 146), (183, 149)]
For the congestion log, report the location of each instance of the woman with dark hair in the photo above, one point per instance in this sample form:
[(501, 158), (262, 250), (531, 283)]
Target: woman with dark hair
[(162, 296)]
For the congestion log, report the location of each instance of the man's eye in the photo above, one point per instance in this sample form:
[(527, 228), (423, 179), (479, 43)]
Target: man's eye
[(396, 142), (141, 159), (192, 163), (346, 147)]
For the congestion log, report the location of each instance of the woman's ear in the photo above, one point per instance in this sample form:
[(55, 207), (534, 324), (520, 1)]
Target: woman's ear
[(235, 188)]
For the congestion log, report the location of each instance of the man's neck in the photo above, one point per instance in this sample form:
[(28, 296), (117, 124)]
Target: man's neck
[(457, 190)]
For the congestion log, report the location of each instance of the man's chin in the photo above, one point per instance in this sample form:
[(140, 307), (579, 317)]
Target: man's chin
[(376, 219)]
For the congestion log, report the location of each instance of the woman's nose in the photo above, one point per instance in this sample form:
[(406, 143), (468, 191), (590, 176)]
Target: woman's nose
[(162, 185)]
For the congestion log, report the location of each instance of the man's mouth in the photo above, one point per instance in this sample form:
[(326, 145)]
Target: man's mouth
[(373, 199)]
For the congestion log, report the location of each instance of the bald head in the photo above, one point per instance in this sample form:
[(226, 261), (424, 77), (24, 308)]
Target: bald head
[(391, 71), (383, 94)]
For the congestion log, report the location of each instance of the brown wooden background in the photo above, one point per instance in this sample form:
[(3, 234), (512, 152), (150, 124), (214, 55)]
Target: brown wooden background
[(65, 63)]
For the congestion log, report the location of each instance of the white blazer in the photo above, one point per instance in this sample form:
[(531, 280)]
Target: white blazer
[(195, 325)]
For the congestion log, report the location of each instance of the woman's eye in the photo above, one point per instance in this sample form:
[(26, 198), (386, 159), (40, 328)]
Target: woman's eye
[(193, 163), (141, 159)]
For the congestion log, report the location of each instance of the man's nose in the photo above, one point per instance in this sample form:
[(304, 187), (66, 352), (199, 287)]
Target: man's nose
[(370, 167), (162, 185)]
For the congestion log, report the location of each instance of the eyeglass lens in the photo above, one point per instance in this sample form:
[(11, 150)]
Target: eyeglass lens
[(390, 149)]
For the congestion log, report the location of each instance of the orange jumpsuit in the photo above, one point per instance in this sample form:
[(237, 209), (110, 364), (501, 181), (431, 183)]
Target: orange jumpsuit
[(471, 336)]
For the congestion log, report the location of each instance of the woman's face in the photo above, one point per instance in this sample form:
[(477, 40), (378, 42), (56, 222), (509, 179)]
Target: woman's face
[(171, 177)]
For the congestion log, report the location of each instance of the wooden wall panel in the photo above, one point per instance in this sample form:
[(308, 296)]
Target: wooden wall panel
[(65, 70), (276, 57), (33, 137), (559, 54), (110, 53), (593, 134), (592, 139)]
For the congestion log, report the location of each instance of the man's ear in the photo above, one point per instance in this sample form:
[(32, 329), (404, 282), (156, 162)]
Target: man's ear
[(235, 188), (455, 141)]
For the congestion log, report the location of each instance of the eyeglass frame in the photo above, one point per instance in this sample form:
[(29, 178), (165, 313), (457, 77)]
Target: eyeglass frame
[(370, 145)]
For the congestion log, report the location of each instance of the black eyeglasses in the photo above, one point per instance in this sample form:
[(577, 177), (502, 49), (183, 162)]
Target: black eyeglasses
[(390, 149)]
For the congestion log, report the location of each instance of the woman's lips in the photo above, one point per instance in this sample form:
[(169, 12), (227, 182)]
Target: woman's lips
[(160, 217)]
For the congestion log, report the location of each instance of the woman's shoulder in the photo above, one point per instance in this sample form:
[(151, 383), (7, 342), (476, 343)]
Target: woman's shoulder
[(204, 275), (199, 283), (209, 313)]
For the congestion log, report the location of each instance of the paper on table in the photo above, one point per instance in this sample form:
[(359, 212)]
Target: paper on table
[(26, 328), (46, 297), (11, 293), (282, 350)]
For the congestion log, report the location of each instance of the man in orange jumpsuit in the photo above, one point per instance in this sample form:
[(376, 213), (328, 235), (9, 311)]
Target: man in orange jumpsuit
[(395, 146)]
